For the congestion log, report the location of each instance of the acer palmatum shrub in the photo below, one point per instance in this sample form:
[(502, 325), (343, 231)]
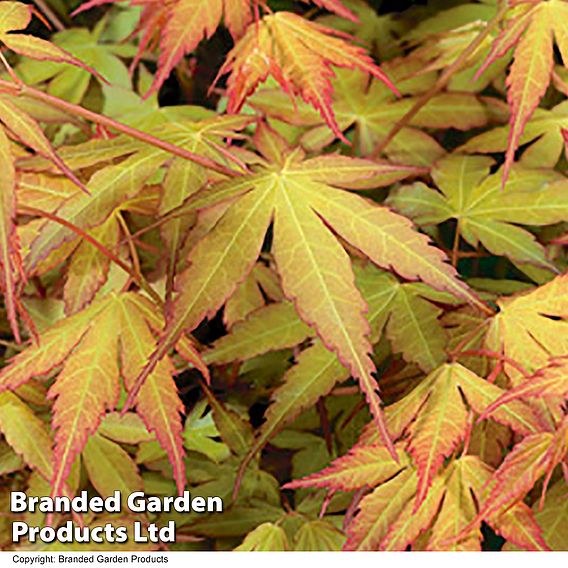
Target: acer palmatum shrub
[(308, 257)]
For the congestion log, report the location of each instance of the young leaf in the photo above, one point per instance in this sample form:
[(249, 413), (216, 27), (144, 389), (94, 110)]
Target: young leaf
[(542, 134), (458, 508), (530, 328), (272, 327), (249, 296), (110, 468), (124, 429), (72, 82), (26, 434), (532, 32), (89, 267), (182, 24), (440, 426), (86, 388), (318, 536), (27, 131), (363, 465), (552, 517), (157, 402), (379, 510), (548, 382), (299, 55), (529, 460), (54, 345), (465, 488), (124, 167)]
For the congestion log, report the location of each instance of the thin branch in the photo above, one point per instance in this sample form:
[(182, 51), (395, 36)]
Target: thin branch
[(131, 245), (136, 277), (457, 350), (325, 425), (50, 15), (493, 355), (443, 80), (25, 90), (456, 247), (354, 505)]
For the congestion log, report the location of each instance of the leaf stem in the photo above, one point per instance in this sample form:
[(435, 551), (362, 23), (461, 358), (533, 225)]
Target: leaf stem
[(10, 71), (443, 80), (76, 110), (456, 247)]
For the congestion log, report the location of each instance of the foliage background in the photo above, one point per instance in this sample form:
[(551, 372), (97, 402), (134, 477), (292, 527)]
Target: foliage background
[(474, 378)]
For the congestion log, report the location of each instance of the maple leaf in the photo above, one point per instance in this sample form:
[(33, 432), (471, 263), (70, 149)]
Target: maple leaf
[(541, 137), (371, 109), (89, 268), (183, 24), (318, 370), (310, 261), (19, 125), (250, 295), (318, 535), (457, 510), (368, 529), (117, 185), (362, 465), (89, 384), (387, 518), (85, 389), (441, 19), (10, 257), (465, 488), (448, 34), (25, 130), (26, 434), (435, 414), (472, 196), (265, 537), (531, 30), (551, 517), (530, 459), (441, 422), (110, 468), (530, 328), (15, 16), (307, 275), (270, 328), (548, 382), (299, 55), (395, 307), (71, 83), (441, 425)]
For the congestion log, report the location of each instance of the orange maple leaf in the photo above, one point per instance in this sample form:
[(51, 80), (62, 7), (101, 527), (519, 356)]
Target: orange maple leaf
[(299, 54), (532, 29), (182, 24)]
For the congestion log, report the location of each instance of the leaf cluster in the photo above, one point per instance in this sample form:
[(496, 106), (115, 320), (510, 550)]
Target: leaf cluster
[(329, 285)]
